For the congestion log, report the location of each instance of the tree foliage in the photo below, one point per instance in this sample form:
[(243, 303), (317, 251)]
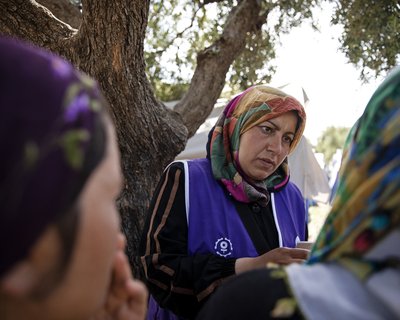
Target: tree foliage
[(331, 139), (179, 29), (371, 37)]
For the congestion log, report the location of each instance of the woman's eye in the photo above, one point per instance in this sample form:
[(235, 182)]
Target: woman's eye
[(287, 140), (266, 129)]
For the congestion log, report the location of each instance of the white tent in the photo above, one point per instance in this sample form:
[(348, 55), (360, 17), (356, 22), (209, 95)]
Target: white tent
[(307, 174)]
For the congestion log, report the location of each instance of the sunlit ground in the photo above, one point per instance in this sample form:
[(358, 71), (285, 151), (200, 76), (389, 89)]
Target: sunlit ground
[(317, 216)]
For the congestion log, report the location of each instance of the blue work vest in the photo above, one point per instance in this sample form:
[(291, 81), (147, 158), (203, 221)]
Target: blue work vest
[(214, 225)]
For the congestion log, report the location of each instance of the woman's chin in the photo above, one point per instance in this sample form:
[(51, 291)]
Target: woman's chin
[(260, 176)]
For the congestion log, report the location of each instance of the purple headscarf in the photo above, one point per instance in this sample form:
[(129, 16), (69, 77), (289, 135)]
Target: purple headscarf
[(52, 136)]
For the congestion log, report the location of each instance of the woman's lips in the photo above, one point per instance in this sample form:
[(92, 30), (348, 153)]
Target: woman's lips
[(267, 162)]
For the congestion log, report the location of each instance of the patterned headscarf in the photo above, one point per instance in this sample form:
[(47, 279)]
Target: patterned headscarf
[(52, 136), (250, 108), (367, 204)]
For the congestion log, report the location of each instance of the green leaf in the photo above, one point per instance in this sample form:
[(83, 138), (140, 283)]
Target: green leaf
[(71, 142)]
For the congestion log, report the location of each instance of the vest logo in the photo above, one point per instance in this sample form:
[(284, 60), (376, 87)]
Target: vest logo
[(223, 247)]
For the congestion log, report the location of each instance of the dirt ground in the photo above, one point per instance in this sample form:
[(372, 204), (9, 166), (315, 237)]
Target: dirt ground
[(317, 216)]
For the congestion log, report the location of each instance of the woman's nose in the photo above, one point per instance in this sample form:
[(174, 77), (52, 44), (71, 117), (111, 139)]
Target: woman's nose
[(274, 144)]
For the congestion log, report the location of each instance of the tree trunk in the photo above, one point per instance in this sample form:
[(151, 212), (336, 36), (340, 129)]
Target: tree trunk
[(109, 46)]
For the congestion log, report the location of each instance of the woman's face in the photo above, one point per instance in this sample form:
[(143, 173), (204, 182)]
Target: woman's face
[(264, 147), (85, 284)]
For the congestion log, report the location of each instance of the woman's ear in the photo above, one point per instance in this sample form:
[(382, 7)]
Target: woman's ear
[(20, 281)]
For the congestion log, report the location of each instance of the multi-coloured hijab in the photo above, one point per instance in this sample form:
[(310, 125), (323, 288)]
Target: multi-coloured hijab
[(250, 108), (52, 136), (366, 207)]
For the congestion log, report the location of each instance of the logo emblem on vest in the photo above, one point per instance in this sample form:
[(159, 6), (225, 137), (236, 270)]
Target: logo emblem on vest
[(223, 247)]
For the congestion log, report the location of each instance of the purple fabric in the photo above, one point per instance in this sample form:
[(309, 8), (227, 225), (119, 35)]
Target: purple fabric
[(291, 214), (51, 138), (214, 225), (155, 312)]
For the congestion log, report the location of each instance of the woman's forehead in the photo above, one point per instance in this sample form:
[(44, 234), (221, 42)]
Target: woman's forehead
[(281, 121)]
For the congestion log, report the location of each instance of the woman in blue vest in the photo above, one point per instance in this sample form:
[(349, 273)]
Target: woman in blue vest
[(233, 211)]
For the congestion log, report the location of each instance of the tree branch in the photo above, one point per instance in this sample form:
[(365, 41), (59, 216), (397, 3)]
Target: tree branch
[(205, 2), (214, 62), (32, 22), (63, 10)]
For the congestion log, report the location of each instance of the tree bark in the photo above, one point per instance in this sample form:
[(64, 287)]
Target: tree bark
[(32, 22), (109, 46), (63, 10)]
